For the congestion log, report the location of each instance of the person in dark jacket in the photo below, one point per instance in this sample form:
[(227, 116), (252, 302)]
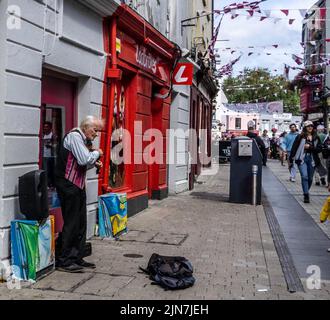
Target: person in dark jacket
[(305, 153), (252, 135)]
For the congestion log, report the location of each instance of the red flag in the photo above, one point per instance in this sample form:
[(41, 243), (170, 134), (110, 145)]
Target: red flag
[(323, 12), (251, 12), (291, 21), (297, 59), (263, 18), (327, 40), (234, 16), (285, 11)]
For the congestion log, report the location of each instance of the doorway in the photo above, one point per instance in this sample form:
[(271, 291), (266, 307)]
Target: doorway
[(57, 117)]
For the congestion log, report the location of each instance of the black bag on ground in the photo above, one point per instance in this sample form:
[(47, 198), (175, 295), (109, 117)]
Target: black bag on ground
[(171, 273)]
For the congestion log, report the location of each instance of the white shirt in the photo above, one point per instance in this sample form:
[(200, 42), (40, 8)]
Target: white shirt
[(76, 143)]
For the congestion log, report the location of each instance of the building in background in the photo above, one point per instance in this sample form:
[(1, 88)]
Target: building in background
[(218, 122), (312, 81), (266, 116)]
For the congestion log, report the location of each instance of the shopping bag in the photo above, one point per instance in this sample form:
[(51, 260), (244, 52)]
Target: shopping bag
[(112, 215)]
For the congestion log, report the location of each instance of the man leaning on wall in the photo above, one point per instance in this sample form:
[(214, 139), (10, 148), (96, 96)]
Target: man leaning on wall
[(74, 159)]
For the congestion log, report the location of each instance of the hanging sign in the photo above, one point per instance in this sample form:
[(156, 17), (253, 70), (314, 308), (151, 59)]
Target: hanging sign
[(183, 74)]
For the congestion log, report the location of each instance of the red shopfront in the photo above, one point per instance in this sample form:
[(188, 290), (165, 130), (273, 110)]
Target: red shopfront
[(137, 96)]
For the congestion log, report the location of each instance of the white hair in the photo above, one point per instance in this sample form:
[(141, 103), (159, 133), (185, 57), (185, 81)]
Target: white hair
[(88, 122)]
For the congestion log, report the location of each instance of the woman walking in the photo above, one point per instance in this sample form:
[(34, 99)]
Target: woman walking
[(280, 149), (304, 153)]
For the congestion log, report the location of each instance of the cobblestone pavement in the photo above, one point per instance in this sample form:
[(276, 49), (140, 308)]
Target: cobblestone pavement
[(318, 194), (230, 247)]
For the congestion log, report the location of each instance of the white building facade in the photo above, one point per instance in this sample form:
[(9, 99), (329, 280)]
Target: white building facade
[(52, 65)]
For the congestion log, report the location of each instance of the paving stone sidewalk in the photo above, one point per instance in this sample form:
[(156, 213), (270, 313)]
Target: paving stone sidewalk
[(229, 245)]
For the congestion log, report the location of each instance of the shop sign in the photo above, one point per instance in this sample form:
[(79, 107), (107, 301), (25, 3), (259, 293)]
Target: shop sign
[(283, 116), (315, 116), (146, 59), (183, 74)]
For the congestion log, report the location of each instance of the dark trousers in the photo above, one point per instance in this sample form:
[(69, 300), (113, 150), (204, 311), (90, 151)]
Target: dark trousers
[(74, 212), (265, 156)]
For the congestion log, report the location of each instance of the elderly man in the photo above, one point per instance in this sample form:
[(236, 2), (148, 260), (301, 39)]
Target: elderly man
[(74, 159)]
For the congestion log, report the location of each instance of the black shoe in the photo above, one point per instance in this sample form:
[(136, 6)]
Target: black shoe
[(323, 181), (72, 268), (84, 264), (306, 198)]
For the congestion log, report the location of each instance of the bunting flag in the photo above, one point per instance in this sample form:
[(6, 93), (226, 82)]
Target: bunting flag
[(228, 68), (285, 11), (303, 12), (291, 21), (297, 59)]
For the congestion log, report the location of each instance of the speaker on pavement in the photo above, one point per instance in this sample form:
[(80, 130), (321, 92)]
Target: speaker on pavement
[(33, 195)]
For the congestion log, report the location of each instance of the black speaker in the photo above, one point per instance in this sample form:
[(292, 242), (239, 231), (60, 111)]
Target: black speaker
[(33, 195)]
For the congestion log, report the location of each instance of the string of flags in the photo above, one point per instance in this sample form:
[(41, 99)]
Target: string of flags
[(271, 46), (253, 87), (261, 98), (227, 69), (252, 8)]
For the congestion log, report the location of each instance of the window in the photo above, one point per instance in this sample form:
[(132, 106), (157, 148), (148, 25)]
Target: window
[(238, 122)]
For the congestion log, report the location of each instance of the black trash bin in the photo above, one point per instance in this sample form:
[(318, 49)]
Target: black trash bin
[(245, 154)]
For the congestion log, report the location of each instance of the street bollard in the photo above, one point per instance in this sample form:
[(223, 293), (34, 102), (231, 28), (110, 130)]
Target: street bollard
[(254, 184)]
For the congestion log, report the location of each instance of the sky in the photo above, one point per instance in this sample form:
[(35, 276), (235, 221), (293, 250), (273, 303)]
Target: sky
[(243, 33)]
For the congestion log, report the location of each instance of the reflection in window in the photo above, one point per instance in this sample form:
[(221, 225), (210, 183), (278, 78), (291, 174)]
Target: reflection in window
[(52, 133), (117, 171)]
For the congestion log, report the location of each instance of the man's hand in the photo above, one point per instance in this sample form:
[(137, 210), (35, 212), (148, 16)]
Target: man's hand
[(100, 152), (98, 164)]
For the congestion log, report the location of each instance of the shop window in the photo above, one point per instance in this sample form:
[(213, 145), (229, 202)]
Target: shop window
[(117, 170)]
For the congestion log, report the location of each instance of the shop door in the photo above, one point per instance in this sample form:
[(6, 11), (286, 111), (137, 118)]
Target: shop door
[(57, 118)]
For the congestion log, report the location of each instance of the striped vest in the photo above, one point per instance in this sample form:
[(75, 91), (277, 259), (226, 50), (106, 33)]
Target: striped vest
[(67, 166)]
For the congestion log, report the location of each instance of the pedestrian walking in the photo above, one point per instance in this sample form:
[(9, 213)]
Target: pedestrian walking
[(320, 170), (287, 146), (273, 147), (305, 153), (252, 135), (326, 155), (266, 141), (279, 146), (74, 159)]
